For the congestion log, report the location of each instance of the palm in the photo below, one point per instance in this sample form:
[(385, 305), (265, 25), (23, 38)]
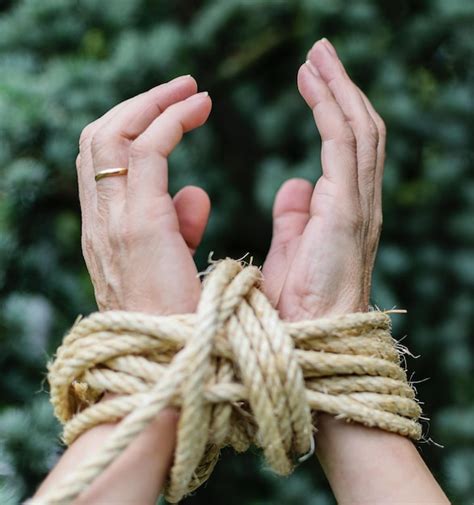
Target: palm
[(307, 267)]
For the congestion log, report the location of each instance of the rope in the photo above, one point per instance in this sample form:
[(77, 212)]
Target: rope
[(239, 374)]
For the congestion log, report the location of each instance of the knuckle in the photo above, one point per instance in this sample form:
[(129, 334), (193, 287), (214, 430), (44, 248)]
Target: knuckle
[(380, 125), (382, 129), (98, 142), (103, 140), (373, 133), (86, 135), (378, 221), (156, 108), (367, 133), (87, 244), (367, 163)]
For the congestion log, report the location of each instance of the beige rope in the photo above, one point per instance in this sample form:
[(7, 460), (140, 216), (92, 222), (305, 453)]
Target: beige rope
[(239, 374)]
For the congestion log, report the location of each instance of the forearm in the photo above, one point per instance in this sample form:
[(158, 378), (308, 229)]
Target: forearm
[(371, 466), (136, 476)]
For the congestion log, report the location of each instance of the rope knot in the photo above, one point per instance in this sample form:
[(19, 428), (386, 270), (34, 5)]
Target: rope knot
[(239, 374), (261, 357)]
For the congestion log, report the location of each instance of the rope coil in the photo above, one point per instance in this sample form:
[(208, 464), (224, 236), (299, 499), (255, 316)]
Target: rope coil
[(239, 374)]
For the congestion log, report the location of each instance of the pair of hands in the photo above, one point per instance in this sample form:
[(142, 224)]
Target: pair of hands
[(138, 242)]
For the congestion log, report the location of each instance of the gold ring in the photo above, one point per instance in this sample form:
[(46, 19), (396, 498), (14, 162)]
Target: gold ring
[(110, 172)]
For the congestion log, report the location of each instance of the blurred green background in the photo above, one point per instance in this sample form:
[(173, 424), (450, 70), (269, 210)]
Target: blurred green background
[(65, 62)]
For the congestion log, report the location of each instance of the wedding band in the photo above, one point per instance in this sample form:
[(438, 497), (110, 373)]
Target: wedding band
[(110, 172)]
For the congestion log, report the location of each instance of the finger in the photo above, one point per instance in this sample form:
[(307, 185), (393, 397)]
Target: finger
[(291, 213), (148, 166), (111, 142), (192, 206), (338, 151), (130, 121), (155, 90), (87, 186), (380, 160), (323, 56), (114, 132)]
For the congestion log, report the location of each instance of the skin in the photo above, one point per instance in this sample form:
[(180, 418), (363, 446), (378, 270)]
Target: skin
[(138, 244)]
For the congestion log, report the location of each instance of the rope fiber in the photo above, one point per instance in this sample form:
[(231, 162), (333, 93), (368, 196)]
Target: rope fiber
[(238, 373)]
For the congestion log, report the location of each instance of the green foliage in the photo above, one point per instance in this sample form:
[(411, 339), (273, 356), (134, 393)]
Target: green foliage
[(65, 62)]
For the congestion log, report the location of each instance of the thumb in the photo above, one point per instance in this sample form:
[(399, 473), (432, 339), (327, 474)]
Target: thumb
[(192, 206), (291, 211)]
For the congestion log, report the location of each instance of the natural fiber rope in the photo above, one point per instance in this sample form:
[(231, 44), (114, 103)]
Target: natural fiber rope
[(239, 374)]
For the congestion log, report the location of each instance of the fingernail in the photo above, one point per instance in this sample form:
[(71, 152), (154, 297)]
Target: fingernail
[(329, 46), (202, 94), (312, 68), (180, 78)]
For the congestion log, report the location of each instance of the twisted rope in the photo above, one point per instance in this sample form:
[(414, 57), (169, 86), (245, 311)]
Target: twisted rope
[(239, 374)]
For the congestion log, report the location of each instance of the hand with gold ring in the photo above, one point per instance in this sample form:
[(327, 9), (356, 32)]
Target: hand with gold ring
[(132, 229)]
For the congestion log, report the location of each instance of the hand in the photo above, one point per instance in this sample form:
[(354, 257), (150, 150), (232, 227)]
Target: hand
[(138, 245), (138, 241), (320, 262), (325, 237)]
